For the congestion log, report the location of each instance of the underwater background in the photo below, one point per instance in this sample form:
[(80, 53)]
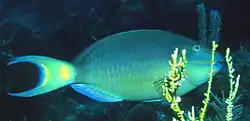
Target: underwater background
[(63, 28)]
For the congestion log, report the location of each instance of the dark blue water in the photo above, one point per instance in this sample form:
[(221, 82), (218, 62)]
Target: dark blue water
[(61, 29)]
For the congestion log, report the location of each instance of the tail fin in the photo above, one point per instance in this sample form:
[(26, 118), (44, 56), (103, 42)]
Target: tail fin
[(53, 74)]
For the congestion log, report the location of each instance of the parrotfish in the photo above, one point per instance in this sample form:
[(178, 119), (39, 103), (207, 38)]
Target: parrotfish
[(122, 66)]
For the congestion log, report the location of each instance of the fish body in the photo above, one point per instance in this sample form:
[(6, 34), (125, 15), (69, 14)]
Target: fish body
[(123, 66)]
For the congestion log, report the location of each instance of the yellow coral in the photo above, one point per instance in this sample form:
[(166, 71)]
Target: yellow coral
[(234, 85), (173, 80), (207, 93)]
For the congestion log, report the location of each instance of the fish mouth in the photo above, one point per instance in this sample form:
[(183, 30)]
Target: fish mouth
[(218, 65), (219, 62)]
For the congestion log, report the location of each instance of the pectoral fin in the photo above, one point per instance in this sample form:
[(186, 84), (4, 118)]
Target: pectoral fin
[(158, 86)]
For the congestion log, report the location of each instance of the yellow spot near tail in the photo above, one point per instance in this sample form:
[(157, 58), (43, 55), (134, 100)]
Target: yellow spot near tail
[(65, 73)]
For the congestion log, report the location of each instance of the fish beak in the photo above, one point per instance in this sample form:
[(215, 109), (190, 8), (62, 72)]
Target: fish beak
[(218, 65), (219, 62)]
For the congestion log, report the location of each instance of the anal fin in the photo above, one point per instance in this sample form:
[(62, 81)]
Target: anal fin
[(95, 94)]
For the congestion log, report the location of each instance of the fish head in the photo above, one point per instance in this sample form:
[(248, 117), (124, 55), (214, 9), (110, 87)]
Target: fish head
[(198, 67)]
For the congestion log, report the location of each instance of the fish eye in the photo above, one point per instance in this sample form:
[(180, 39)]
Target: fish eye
[(196, 48)]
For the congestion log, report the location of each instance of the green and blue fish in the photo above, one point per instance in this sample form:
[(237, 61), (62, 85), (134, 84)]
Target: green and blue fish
[(123, 66)]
